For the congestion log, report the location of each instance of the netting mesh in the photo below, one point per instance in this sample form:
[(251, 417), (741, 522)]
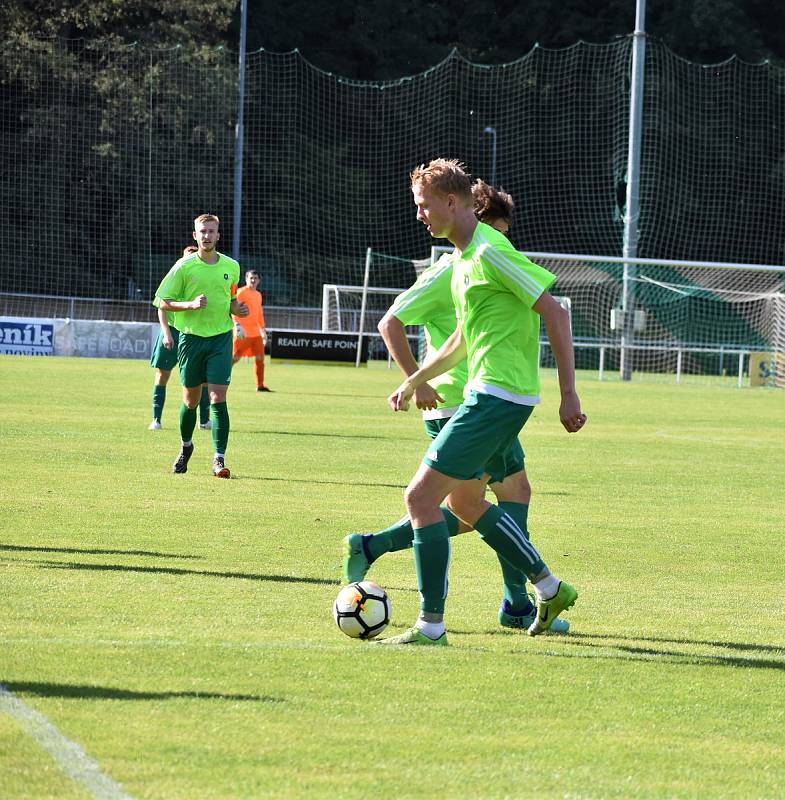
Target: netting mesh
[(335, 155), (712, 161), (694, 320), (110, 153)]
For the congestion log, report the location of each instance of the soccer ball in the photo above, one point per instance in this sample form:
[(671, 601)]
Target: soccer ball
[(362, 610)]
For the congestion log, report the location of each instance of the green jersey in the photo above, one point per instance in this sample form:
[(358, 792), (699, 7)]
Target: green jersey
[(494, 288), (189, 278), (428, 302)]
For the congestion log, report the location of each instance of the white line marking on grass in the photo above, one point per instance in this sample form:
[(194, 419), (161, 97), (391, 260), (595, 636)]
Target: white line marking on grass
[(71, 759)]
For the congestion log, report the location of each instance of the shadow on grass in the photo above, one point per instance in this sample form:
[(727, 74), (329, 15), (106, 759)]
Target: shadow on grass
[(245, 576), (93, 551), (319, 393), (394, 435), (670, 656), (744, 646), (311, 481), (68, 690), (607, 647)]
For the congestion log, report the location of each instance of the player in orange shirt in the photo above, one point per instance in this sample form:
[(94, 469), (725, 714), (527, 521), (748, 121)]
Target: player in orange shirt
[(249, 332)]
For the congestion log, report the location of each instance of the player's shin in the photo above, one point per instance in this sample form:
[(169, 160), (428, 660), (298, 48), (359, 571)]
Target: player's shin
[(400, 535), (504, 535), (159, 398), (204, 406), (432, 561), (517, 601), (187, 422), (220, 417)]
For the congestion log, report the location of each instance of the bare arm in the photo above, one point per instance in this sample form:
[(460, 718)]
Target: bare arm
[(452, 352), (184, 305), (394, 334), (163, 321), (557, 325)]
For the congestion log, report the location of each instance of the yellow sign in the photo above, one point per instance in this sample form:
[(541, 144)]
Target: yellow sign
[(763, 368)]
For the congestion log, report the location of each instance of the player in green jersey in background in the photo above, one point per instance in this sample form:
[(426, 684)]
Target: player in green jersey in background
[(164, 359), (202, 291), (429, 303), (500, 297)]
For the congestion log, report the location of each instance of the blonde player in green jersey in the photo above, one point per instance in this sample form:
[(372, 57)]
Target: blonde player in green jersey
[(500, 298), (202, 291), (429, 303), (164, 359)]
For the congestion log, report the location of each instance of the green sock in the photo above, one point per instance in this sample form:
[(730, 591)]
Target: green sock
[(400, 535), (187, 422), (514, 579), (204, 406), (159, 398), (501, 532), (432, 559), (220, 417)]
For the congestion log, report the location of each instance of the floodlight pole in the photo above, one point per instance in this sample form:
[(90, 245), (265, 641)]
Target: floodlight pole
[(632, 216), (239, 136), (492, 132)]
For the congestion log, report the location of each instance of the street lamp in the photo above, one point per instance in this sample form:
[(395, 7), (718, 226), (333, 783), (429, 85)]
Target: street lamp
[(492, 132)]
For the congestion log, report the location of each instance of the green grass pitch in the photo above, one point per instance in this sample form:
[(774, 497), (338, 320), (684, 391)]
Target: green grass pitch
[(179, 629)]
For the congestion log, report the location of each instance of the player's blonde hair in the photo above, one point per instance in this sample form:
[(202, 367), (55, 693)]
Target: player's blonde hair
[(491, 203), (202, 218), (444, 176)]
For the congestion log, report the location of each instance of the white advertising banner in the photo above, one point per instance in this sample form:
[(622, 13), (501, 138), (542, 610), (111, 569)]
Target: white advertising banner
[(26, 337), (99, 339), (76, 337)]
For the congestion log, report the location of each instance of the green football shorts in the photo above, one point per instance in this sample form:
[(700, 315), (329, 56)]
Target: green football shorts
[(205, 359), (513, 460), (480, 438), (161, 358)]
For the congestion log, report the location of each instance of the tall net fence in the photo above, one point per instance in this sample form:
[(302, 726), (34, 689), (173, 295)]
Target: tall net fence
[(712, 161), (328, 159), (109, 153)]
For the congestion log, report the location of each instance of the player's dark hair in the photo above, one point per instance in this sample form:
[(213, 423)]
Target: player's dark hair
[(491, 203)]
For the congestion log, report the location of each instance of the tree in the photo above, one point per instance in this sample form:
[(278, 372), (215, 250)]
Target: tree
[(142, 140)]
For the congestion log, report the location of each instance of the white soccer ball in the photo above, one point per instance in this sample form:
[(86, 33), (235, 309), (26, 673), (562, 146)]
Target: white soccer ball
[(362, 610)]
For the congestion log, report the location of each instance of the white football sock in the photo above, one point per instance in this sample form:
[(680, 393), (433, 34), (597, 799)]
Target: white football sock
[(433, 630), (547, 587)]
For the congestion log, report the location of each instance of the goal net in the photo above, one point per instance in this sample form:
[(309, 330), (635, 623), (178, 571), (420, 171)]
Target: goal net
[(680, 317), (359, 309)]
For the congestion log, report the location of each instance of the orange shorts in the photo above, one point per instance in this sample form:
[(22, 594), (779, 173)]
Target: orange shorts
[(250, 346)]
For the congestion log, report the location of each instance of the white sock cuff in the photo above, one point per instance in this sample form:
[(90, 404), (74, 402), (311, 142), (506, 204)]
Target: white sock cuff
[(547, 587)]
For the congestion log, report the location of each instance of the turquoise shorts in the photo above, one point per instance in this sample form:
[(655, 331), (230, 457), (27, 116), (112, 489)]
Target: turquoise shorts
[(205, 359), (161, 358), (481, 437)]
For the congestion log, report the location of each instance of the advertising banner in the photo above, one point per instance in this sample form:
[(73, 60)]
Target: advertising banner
[(321, 346), (26, 337)]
